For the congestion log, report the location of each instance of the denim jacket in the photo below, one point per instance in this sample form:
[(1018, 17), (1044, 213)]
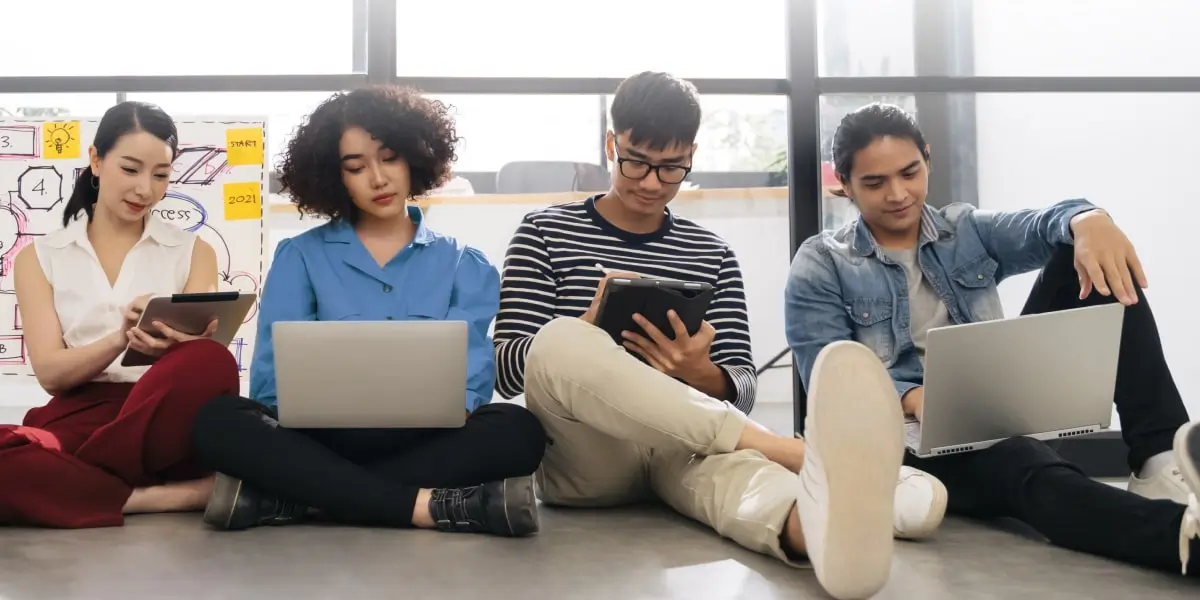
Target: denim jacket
[(841, 287)]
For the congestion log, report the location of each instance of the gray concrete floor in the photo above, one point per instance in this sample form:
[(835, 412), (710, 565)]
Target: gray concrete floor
[(636, 553)]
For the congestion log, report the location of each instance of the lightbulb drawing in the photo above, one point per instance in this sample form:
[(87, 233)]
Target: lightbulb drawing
[(59, 136)]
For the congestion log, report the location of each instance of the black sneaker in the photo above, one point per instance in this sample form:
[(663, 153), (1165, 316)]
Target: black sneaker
[(507, 508), (233, 505)]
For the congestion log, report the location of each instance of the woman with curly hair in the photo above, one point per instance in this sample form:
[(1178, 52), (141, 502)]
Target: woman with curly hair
[(357, 160)]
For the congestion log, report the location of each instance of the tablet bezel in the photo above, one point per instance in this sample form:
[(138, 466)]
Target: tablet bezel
[(634, 294)]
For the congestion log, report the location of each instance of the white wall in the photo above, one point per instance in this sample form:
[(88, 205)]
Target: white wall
[(1132, 154)]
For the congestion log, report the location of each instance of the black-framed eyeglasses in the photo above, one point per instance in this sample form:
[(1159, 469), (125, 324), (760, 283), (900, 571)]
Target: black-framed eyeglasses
[(638, 170)]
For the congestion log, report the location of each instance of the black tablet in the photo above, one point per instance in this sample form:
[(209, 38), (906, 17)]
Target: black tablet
[(652, 298)]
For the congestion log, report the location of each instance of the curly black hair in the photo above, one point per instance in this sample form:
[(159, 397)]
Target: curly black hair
[(418, 129)]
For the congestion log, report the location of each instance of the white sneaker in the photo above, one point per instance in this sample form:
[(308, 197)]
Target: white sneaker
[(920, 504), (854, 435), (1167, 484), (1187, 455)]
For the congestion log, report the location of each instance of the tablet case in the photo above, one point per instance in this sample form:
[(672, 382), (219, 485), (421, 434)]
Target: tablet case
[(652, 298)]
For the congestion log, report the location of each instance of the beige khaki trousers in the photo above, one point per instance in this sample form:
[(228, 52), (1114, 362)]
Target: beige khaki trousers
[(621, 432)]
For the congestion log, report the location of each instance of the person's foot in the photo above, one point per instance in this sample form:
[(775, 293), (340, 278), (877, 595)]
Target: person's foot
[(506, 508), (855, 443), (920, 504), (1187, 454), (1167, 484), (234, 505)]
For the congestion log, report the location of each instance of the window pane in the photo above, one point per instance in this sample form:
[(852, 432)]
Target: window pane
[(838, 211), (617, 38), (865, 38), (53, 106), (499, 129), (284, 110), (152, 37), (1097, 38)]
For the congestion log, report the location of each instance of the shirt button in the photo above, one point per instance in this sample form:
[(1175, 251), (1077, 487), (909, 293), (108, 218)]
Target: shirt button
[(387, 288), (866, 315), (979, 277)]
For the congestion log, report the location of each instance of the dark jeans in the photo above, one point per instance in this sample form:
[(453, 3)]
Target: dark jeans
[(364, 476), (1026, 479)]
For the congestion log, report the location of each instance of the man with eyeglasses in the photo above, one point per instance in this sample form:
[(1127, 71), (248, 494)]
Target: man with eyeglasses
[(673, 425)]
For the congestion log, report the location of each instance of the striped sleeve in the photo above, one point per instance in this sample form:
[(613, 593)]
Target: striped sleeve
[(731, 346), (527, 300)]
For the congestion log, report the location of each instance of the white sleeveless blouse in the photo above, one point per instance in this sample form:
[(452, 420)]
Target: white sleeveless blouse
[(88, 307)]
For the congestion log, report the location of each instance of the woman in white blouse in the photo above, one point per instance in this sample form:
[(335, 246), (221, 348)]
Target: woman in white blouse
[(113, 440)]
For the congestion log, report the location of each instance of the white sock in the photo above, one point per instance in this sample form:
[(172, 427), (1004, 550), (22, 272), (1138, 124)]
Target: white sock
[(1157, 464)]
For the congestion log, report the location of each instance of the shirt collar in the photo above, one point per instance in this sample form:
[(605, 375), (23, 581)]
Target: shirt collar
[(163, 234), (342, 231), (934, 227)]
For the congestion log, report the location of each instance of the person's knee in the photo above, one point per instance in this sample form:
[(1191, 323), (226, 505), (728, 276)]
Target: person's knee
[(213, 418), (212, 361), (558, 345), (525, 438)]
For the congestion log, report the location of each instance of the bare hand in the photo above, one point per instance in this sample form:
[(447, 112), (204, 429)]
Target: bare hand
[(134, 310), (153, 346), (913, 402), (1105, 259), (685, 357), (590, 315)]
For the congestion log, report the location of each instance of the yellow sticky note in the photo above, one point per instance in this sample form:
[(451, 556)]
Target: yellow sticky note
[(244, 146), (60, 139), (243, 201)]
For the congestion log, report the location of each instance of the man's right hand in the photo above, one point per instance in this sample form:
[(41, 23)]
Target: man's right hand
[(913, 402), (590, 315)]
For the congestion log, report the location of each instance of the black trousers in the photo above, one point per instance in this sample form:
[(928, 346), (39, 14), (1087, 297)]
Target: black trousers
[(364, 476), (1025, 479)]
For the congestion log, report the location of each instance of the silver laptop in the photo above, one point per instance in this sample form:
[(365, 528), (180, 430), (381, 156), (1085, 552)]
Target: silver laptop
[(1045, 376), (371, 374)]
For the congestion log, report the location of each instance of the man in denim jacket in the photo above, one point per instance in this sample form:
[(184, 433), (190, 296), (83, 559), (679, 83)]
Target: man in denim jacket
[(903, 268)]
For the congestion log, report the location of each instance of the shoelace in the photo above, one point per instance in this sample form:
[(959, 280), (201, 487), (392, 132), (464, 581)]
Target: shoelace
[(1189, 530)]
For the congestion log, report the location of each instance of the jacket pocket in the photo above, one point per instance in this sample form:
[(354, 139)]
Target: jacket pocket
[(872, 318)]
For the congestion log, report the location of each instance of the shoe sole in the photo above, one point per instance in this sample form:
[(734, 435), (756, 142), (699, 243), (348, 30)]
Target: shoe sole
[(520, 506), (860, 432), (1186, 457), (218, 513)]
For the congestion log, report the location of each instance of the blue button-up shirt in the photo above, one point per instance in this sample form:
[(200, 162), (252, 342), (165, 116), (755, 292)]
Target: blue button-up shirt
[(841, 287), (327, 274)]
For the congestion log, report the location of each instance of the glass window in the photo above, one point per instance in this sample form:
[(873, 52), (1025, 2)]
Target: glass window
[(284, 110), (836, 210), (617, 38), (865, 38), (151, 37), (54, 106), (499, 129), (1098, 38)]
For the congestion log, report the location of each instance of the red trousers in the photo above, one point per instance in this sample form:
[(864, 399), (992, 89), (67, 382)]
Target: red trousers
[(76, 460)]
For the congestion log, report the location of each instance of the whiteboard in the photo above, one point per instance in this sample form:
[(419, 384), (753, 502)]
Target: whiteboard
[(218, 187)]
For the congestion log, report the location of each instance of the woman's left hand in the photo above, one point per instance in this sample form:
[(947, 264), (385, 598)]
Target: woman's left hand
[(152, 346)]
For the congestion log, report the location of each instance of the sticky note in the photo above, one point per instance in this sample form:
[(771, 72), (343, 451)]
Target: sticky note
[(243, 201), (60, 139), (244, 146)]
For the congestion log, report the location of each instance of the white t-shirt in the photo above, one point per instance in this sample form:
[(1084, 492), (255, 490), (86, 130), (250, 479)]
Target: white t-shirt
[(925, 308), (88, 307)]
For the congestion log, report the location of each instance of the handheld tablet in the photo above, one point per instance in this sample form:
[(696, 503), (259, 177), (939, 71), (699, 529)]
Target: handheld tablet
[(652, 298), (191, 314)]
